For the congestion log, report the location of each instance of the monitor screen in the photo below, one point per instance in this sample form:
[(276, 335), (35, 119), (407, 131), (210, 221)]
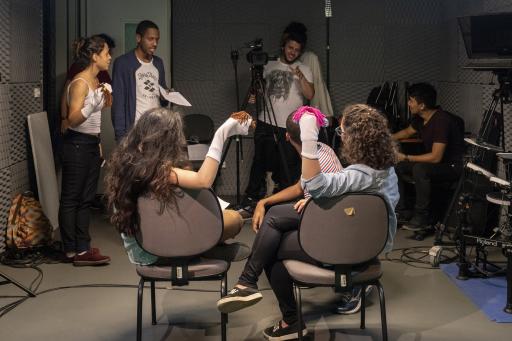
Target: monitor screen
[(487, 36)]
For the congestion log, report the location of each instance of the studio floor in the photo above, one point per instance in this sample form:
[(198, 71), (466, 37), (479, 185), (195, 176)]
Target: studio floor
[(422, 304)]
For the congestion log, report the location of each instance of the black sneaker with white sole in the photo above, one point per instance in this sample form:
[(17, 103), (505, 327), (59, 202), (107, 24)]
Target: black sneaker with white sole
[(237, 299), (351, 301), (291, 332)]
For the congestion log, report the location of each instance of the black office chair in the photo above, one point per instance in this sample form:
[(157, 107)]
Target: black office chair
[(347, 233), (198, 128)]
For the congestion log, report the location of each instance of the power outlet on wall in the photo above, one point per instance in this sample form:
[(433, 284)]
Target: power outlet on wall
[(37, 92)]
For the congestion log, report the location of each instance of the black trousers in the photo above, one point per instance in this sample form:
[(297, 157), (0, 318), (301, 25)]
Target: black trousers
[(267, 158), (424, 174), (80, 156), (276, 240)]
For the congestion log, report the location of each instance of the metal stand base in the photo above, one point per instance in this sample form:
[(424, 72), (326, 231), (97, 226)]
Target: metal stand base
[(10, 280)]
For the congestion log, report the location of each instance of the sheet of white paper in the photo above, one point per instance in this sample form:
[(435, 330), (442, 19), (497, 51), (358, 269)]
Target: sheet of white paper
[(174, 97), (197, 152), (223, 204)]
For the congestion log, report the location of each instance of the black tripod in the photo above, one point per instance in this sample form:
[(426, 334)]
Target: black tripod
[(9, 280), (263, 104), (493, 119)]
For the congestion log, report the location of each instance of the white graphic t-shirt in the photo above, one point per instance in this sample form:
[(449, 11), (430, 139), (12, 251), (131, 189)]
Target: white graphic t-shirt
[(147, 92), (283, 89)]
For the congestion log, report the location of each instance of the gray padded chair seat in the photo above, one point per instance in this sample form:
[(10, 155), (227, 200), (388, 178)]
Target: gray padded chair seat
[(312, 274), (202, 268)]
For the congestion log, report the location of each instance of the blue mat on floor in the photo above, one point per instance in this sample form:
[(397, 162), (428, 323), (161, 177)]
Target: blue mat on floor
[(489, 294)]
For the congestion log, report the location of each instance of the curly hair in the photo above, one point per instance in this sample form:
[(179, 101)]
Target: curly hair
[(366, 138), (142, 164)]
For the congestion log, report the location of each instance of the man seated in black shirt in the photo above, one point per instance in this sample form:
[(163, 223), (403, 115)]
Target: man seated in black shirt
[(442, 134)]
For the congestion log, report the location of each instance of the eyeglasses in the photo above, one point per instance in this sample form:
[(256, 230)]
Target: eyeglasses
[(339, 131)]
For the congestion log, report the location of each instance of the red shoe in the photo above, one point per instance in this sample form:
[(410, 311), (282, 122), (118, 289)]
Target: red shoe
[(91, 257)]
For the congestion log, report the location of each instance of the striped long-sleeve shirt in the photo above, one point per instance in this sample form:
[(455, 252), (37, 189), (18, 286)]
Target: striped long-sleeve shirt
[(329, 162)]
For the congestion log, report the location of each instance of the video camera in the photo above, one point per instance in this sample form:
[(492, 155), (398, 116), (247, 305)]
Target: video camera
[(256, 56)]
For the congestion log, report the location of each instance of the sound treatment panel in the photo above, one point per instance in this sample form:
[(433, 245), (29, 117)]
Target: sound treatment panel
[(22, 104), (19, 178), (5, 41), (4, 125), (5, 203), (26, 41), (417, 12)]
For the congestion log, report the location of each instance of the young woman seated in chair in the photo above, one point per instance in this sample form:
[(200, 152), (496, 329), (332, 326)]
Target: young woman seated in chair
[(151, 160), (368, 148)]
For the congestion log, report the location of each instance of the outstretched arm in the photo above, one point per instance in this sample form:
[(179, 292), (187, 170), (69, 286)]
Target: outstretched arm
[(237, 124)]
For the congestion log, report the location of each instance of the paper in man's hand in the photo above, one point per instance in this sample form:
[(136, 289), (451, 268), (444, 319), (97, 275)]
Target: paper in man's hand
[(174, 97)]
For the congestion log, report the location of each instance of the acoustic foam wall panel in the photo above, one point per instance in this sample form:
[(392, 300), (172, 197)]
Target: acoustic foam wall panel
[(22, 103), (5, 41), (5, 203), (26, 41), (4, 125)]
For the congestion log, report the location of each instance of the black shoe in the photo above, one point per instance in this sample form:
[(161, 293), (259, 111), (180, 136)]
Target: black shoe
[(403, 216), (246, 212), (237, 299), (419, 222), (351, 301), (247, 207), (278, 332)]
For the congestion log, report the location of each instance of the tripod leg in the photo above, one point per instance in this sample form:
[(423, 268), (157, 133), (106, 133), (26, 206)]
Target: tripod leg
[(19, 285), (222, 159), (284, 164), (440, 231)]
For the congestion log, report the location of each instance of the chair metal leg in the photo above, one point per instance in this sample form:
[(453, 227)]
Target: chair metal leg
[(363, 307), (298, 299), (153, 305), (383, 312), (223, 316), (139, 309)]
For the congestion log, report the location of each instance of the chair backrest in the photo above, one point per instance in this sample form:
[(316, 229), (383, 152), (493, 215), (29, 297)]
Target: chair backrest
[(350, 229), (190, 228), (198, 128)]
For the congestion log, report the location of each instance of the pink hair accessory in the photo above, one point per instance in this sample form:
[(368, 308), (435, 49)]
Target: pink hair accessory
[(321, 120)]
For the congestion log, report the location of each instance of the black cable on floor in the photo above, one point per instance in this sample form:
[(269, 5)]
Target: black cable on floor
[(36, 282), (415, 257)]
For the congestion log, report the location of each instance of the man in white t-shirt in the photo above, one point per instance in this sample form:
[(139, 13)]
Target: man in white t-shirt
[(289, 83), (136, 78)]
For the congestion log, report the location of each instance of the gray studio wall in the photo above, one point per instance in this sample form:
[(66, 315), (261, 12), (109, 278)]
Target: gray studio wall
[(100, 16), (371, 41), (20, 75)]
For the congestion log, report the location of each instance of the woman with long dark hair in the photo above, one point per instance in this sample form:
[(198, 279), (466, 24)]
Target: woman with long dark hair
[(81, 151), (150, 160)]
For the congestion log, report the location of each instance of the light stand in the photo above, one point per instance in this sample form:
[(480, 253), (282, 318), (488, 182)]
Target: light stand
[(9, 280), (328, 15), (238, 139)]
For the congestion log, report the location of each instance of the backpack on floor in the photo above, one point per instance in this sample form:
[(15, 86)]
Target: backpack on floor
[(27, 225)]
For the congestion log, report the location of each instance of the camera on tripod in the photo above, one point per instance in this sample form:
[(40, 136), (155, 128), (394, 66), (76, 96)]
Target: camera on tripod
[(256, 56)]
